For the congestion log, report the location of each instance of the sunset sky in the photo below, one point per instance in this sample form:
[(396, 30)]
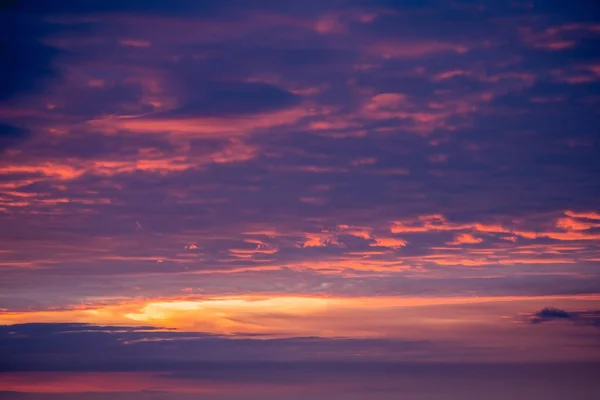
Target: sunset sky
[(299, 199)]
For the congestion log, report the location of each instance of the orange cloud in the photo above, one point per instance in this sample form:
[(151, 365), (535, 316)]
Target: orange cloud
[(146, 160), (465, 238), (431, 223), (206, 127), (60, 171), (589, 215), (393, 243), (321, 239), (358, 231), (426, 223), (570, 236), (249, 253), (572, 224)]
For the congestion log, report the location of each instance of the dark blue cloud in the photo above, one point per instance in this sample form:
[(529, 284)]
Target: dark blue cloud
[(10, 135), (230, 98), (578, 9), (101, 6), (548, 314), (162, 7), (82, 347), (27, 63), (41, 329)]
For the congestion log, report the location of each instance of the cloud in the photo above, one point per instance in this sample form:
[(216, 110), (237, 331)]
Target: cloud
[(41, 329), (230, 99), (549, 314), (588, 215), (382, 148), (414, 50), (27, 63), (465, 238), (83, 347), (393, 243), (562, 37), (98, 6), (10, 135), (571, 229)]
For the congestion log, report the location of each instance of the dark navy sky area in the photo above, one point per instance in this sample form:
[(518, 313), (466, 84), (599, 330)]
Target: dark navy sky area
[(337, 199)]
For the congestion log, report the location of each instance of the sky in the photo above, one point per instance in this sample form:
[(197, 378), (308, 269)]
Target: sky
[(317, 199)]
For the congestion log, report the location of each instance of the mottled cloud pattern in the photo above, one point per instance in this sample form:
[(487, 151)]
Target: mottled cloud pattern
[(302, 187)]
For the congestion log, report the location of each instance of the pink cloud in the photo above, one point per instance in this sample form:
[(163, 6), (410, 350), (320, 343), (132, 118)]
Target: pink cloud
[(391, 49)]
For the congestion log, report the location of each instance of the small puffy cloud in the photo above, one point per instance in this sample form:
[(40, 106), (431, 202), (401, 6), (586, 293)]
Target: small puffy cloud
[(550, 314), (321, 239), (465, 238), (392, 243)]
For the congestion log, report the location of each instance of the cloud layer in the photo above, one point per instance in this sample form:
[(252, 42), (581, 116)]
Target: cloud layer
[(384, 177)]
